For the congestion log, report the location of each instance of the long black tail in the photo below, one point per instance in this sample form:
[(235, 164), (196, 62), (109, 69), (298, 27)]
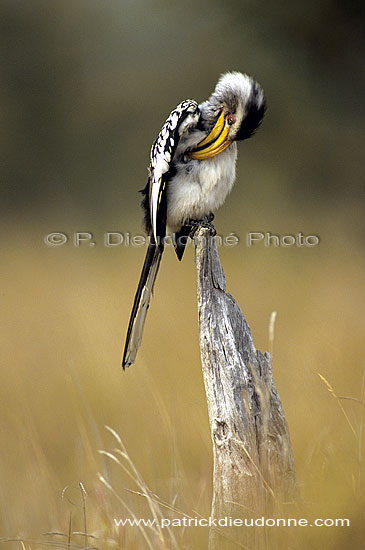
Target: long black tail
[(141, 303)]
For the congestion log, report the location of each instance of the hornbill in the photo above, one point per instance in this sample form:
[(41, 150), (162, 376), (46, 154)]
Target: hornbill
[(192, 169)]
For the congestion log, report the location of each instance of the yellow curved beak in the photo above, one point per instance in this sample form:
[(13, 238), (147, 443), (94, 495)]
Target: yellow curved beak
[(215, 142)]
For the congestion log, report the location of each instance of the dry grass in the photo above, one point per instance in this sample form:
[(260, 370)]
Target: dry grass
[(65, 312)]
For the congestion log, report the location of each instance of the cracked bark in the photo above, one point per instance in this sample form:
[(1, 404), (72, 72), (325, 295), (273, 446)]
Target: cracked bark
[(254, 469)]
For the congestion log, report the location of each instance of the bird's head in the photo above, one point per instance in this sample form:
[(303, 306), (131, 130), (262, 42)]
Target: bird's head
[(233, 112)]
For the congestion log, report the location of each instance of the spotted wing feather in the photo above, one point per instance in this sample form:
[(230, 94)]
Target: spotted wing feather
[(161, 160)]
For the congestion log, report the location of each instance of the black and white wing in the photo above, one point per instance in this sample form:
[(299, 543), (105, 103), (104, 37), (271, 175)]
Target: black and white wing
[(180, 120), (185, 115)]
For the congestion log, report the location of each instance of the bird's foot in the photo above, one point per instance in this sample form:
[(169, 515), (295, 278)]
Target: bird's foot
[(205, 222)]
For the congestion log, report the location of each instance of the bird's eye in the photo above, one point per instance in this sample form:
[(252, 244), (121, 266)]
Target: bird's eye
[(231, 119)]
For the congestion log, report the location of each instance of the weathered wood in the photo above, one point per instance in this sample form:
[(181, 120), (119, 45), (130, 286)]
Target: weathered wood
[(253, 460)]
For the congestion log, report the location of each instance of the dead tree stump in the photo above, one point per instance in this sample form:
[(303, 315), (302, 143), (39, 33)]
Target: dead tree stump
[(253, 462)]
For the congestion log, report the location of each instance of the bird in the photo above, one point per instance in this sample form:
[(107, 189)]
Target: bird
[(192, 170)]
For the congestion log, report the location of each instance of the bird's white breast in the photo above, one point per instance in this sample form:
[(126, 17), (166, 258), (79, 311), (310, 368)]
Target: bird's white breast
[(200, 187)]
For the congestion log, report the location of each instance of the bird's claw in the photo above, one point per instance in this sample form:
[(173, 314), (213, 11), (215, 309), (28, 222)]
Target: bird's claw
[(205, 222)]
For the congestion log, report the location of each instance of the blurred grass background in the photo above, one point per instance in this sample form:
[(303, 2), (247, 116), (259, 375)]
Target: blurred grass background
[(85, 88)]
